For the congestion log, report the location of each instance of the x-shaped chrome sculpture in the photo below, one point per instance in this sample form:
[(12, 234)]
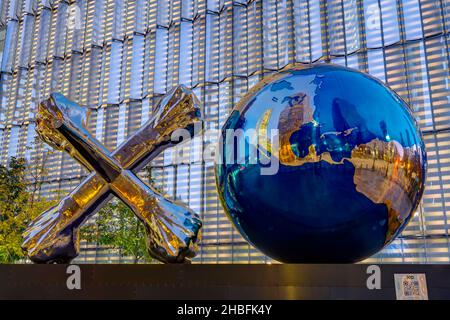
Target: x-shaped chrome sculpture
[(171, 227)]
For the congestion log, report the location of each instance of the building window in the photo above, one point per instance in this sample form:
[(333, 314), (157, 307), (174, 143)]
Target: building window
[(2, 42), (13, 142)]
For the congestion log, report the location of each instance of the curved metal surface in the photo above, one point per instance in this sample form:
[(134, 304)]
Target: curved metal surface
[(171, 227), (351, 173)]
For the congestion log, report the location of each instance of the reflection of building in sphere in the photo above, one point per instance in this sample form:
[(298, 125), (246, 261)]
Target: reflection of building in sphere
[(297, 112), (348, 180)]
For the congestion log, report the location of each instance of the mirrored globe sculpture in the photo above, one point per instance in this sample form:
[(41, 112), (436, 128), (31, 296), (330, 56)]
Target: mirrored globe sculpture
[(320, 164)]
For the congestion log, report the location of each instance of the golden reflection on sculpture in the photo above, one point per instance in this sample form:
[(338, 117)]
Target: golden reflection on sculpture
[(377, 160), (385, 171), (171, 227)]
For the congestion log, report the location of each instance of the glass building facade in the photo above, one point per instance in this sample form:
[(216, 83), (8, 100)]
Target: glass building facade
[(121, 56)]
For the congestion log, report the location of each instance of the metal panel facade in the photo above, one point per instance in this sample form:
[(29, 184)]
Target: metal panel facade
[(120, 56)]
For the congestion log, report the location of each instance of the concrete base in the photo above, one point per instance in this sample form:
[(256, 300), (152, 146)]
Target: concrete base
[(222, 282)]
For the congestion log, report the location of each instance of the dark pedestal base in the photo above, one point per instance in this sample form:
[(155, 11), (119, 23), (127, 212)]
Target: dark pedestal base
[(213, 281)]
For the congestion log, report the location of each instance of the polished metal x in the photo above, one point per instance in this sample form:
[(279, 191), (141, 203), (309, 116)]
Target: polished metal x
[(171, 227)]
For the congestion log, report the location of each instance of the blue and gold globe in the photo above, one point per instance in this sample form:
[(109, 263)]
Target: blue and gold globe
[(320, 164)]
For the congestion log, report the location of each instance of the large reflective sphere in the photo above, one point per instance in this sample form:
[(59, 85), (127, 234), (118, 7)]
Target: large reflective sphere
[(351, 165)]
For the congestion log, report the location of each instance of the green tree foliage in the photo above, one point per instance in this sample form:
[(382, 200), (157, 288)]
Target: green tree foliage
[(37, 169), (20, 183), (16, 209), (13, 199), (117, 227)]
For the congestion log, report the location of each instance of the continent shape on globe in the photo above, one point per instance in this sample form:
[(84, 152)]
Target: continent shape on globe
[(351, 170)]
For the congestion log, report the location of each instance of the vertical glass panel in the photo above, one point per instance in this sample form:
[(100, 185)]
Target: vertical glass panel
[(93, 75), (431, 17), (163, 13), (390, 18), (31, 134), (10, 45), (350, 9), (437, 60), (413, 21), (199, 51), (316, 29), (118, 31), (5, 85), (240, 41), (396, 71), (14, 7), (115, 68), (110, 126), (99, 124), (2, 42), (60, 30), (141, 16), (254, 37), (19, 96), (28, 5), (213, 5), (173, 56), (187, 9), (302, 30), (372, 14), (212, 48), (13, 146), (145, 111), (186, 53), (25, 41), (419, 93), (376, 64), (43, 35), (133, 117), (336, 31), (225, 43), (121, 129), (285, 30), (74, 83), (3, 11), (161, 60), (56, 75), (98, 21), (435, 210), (77, 23), (270, 34), (37, 88), (137, 67)]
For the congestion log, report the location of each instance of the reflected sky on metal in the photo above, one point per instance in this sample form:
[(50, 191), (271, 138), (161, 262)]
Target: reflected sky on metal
[(351, 172)]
